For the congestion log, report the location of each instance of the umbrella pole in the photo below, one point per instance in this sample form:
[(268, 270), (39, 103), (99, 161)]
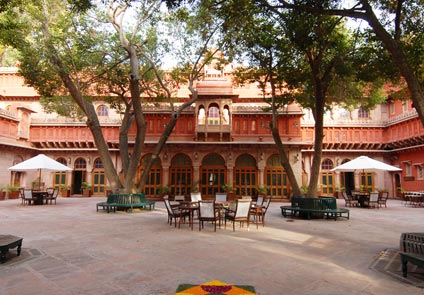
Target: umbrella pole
[(39, 179)]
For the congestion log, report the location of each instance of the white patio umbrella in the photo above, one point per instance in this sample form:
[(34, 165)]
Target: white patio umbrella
[(365, 163), (40, 162)]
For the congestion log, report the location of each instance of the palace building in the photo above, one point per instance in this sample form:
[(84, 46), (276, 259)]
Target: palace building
[(222, 139)]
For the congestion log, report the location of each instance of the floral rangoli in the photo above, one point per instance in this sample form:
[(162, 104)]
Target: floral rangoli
[(214, 288)]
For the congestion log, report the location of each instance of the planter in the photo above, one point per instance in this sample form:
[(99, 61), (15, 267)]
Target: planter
[(2, 196), (66, 193), (86, 193), (13, 195)]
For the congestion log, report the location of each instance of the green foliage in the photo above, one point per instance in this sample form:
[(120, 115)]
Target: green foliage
[(85, 185)]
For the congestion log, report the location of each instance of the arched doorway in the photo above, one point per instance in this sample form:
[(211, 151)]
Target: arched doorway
[(327, 178), (59, 178), (245, 175), (213, 174), (98, 177), (78, 175), (180, 175), (276, 179), (154, 180)]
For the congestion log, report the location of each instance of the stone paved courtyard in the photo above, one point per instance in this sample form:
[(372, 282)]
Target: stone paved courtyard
[(69, 248)]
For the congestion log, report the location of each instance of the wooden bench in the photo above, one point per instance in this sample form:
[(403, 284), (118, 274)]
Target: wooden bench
[(308, 208), (9, 242), (412, 250)]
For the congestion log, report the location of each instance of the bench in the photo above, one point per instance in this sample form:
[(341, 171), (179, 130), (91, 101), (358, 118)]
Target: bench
[(308, 208), (9, 242), (125, 201), (109, 205), (412, 250)]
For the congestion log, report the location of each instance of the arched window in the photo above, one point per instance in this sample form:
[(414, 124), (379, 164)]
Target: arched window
[(59, 178), (181, 175), (363, 114), (245, 175), (212, 175), (154, 180), (201, 116), (102, 111), (276, 179), (98, 176), (213, 116)]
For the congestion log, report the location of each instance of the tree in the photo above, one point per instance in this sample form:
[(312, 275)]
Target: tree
[(400, 27), (308, 59), (73, 53)]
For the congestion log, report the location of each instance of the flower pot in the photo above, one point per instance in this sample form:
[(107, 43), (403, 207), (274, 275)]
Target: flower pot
[(66, 193), (86, 193), (13, 195)]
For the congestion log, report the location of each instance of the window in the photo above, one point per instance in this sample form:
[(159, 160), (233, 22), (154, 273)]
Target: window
[(213, 116), (363, 114), (420, 175), (408, 169), (404, 106), (102, 111), (344, 114), (392, 107)]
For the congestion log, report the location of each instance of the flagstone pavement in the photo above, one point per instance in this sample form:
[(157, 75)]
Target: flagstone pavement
[(69, 248)]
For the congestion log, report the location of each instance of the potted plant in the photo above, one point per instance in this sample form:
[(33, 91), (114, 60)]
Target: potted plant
[(229, 189), (2, 192), (65, 190), (338, 191), (164, 190), (399, 192), (13, 191), (262, 190), (86, 189)]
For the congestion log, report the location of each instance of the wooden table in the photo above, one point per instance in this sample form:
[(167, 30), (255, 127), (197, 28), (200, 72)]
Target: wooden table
[(191, 207), (40, 195), (9, 242), (258, 211), (362, 197)]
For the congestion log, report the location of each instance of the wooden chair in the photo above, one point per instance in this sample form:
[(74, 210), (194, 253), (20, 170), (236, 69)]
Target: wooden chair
[(259, 200), (240, 213), (179, 198), (52, 195), (265, 206), (372, 201), (208, 212), (29, 198), (221, 197), (174, 212), (349, 201), (246, 198), (382, 200), (195, 197), (22, 196)]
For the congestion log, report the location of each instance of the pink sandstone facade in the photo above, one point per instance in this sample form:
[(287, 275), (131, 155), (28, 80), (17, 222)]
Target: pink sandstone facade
[(223, 138)]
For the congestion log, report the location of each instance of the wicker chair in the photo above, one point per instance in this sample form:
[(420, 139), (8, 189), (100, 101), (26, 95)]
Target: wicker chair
[(208, 212), (240, 213)]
